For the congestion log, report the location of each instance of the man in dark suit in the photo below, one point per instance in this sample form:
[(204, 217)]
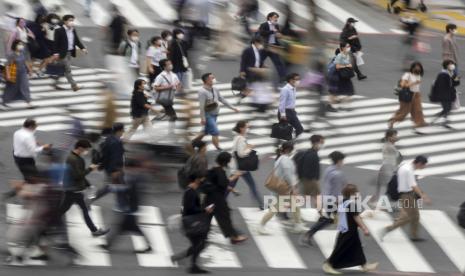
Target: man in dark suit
[(270, 33), (252, 58), (66, 40)]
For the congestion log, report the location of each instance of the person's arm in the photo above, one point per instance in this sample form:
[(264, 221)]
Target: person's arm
[(75, 172), (361, 225), (78, 42), (31, 145), (225, 102), (264, 30), (242, 148), (284, 94), (56, 42), (243, 67), (157, 85), (202, 100), (339, 62)]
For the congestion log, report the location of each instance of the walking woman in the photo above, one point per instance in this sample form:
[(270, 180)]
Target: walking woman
[(343, 62), (17, 80), (197, 163), (444, 90), (221, 184), (349, 35), (243, 149), (348, 251), (284, 168), (154, 55), (23, 34), (178, 55), (411, 80), (139, 109)]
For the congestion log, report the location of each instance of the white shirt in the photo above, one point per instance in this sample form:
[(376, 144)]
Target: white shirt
[(412, 78), (24, 144), (134, 61), (272, 38), (257, 56), (156, 54), (406, 178), (70, 35), (160, 79), (21, 34)]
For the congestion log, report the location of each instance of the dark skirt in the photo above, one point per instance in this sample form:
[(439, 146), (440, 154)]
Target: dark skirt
[(348, 250), (345, 87)]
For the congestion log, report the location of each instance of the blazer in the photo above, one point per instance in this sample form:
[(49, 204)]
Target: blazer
[(61, 42), (444, 88), (76, 173), (112, 154), (248, 60), (265, 32), (176, 51)]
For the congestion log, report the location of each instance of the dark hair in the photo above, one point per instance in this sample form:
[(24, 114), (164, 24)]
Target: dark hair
[(291, 76), (446, 63), (163, 63), (389, 133), (177, 31), (450, 27), (415, 64), (117, 127), (29, 123), (271, 14), (15, 43), (205, 77), (165, 34), (68, 17), (349, 190), (193, 177), (239, 125), (131, 31), (155, 38), (223, 158), (198, 144), (257, 39), (420, 159), (336, 156), (51, 16), (343, 44), (83, 143), (316, 138), (137, 83), (287, 146)]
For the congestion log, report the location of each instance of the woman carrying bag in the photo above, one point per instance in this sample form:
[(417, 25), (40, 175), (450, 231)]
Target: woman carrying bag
[(245, 160), (345, 71)]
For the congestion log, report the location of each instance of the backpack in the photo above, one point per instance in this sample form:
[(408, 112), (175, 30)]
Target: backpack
[(391, 190), (461, 215), (97, 155)]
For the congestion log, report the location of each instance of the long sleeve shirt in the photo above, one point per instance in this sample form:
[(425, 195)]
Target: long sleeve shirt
[(287, 98), (77, 171), (333, 181), (239, 146), (208, 96), (450, 49), (24, 144)]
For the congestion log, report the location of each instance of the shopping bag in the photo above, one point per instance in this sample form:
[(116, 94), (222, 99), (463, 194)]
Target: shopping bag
[(358, 58), (456, 103)]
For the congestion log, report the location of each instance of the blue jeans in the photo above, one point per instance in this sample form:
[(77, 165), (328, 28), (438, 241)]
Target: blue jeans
[(248, 178), (211, 127)]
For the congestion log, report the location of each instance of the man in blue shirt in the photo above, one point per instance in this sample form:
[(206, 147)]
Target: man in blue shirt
[(287, 98)]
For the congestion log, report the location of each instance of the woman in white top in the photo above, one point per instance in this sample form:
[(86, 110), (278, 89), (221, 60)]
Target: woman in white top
[(21, 33), (154, 54), (243, 149), (411, 80), (284, 168)]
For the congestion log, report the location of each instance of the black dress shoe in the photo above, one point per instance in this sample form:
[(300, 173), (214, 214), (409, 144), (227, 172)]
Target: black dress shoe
[(197, 270), (143, 251), (330, 108), (361, 77), (418, 239)]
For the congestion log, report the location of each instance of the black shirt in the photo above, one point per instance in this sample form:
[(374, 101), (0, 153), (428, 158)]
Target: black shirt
[(191, 202), (308, 164), (138, 102)]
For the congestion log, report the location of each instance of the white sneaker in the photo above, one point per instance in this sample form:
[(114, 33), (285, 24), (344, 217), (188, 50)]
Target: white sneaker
[(369, 267), (299, 228), (327, 268), (262, 230)]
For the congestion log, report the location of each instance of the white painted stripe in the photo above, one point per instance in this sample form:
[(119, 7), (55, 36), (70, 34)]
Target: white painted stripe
[(219, 253), (447, 236), (163, 9), (133, 14), (325, 26), (451, 168), (81, 238), (40, 120), (342, 15), (151, 224), (443, 137), (54, 127), (458, 177), (22, 8), (397, 31), (300, 9), (277, 249), (398, 248), (69, 93), (98, 14), (30, 112)]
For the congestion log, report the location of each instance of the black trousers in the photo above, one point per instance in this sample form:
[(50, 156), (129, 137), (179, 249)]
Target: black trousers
[(277, 62), (27, 166), (222, 214), (156, 71), (322, 223), (77, 198), (293, 120), (354, 64), (446, 109), (170, 112), (125, 222), (197, 245)]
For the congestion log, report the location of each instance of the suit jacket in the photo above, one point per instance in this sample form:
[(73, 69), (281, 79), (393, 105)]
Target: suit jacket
[(449, 49), (61, 42), (112, 154), (444, 88), (176, 51), (264, 31), (248, 60)]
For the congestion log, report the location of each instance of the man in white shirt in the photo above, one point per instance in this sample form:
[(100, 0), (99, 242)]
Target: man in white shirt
[(25, 148), (409, 193), (165, 86)]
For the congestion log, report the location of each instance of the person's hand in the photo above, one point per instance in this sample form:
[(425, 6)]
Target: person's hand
[(366, 232), (250, 146), (93, 166), (209, 209), (353, 36), (283, 118), (238, 174), (151, 71), (236, 110), (278, 35), (426, 199), (85, 51), (349, 66), (202, 121), (242, 75), (47, 146), (115, 177)]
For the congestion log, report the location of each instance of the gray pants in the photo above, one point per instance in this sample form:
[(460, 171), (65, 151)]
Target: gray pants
[(67, 63)]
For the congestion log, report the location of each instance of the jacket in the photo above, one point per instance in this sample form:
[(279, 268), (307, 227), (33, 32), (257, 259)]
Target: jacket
[(308, 164), (76, 172), (264, 31), (61, 43), (177, 50), (112, 154), (355, 44), (444, 88), (450, 49), (248, 60)]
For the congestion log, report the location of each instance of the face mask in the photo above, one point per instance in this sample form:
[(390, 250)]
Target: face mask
[(246, 130), (352, 24), (451, 67), (297, 83), (454, 31), (70, 24), (180, 36), (20, 47), (169, 67), (135, 38), (85, 153), (275, 22), (55, 21), (347, 50), (214, 81), (169, 38), (260, 47)]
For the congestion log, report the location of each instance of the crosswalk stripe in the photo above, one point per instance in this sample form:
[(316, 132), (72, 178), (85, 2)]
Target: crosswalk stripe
[(133, 14), (163, 9), (448, 236), (276, 248), (81, 239), (23, 9), (151, 224), (397, 247), (39, 119), (98, 14), (326, 26)]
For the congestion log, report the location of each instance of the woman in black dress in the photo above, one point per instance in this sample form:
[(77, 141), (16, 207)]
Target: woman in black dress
[(219, 184), (348, 251)]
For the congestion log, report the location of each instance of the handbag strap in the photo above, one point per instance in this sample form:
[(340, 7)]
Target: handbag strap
[(180, 48), (171, 89)]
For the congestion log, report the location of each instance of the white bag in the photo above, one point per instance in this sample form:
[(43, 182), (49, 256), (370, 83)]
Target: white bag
[(456, 103), (358, 58), (185, 62), (174, 222)]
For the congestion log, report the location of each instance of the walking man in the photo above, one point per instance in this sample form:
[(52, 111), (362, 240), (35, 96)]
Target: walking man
[(450, 50), (287, 99)]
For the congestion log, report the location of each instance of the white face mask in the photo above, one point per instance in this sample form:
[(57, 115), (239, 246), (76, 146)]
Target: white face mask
[(451, 67), (55, 21), (169, 67), (180, 36), (85, 153), (454, 31), (20, 47), (260, 47), (246, 130), (214, 81), (135, 38), (70, 24), (169, 38), (348, 50), (297, 83)]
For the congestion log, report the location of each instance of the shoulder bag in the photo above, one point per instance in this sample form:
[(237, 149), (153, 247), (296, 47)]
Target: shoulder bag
[(281, 130), (248, 163), (196, 225), (211, 105), (12, 70), (165, 101), (277, 184), (185, 62)]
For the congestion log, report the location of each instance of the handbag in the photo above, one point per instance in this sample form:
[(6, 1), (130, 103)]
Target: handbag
[(32, 45), (282, 130), (405, 95), (185, 62), (196, 225), (456, 103), (12, 70), (55, 69), (211, 105), (392, 191), (165, 101), (346, 73), (277, 184), (248, 163), (238, 84)]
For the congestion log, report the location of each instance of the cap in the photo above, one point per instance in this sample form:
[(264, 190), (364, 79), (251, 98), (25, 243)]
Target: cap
[(351, 20)]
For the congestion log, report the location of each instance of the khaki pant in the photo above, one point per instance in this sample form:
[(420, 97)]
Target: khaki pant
[(414, 108), (310, 187), (409, 213), (296, 218), (136, 122)]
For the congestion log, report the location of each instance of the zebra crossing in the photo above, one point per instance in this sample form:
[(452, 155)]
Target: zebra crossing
[(160, 13), (278, 250)]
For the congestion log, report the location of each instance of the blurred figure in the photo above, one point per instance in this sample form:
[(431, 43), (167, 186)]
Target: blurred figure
[(197, 163), (116, 29), (450, 49), (88, 8), (344, 68), (139, 109), (166, 37), (261, 93), (23, 34), (349, 35), (155, 53), (252, 58), (247, 9), (42, 51), (411, 25), (131, 49)]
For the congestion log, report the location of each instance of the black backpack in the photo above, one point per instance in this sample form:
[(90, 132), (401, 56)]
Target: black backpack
[(392, 191), (461, 215)]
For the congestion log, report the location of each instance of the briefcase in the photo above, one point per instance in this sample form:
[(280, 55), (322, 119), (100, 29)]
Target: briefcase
[(238, 84), (55, 69), (282, 130)]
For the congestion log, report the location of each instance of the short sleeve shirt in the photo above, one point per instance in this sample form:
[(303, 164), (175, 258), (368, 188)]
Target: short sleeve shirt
[(406, 178), (162, 78), (342, 59), (156, 54), (412, 78)]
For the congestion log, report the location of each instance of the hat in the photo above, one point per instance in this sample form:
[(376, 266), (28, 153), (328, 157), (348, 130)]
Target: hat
[(351, 20)]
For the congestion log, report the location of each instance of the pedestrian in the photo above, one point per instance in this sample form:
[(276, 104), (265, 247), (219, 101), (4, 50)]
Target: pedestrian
[(334, 181), (251, 58), (284, 168), (177, 53), (412, 81), (348, 251), (66, 40), (26, 148), (410, 193), (450, 49), (242, 149), (411, 24), (41, 49), (75, 183), (116, 29), (88, 8), (270, 33), (220, 185), (153, 56), (308, 169), (248, 9), (198, 162), (191, 206), (349, 35), (131, 49), (165, 87), (287, 103), (139, 109), (443, 90), (22, 33), (17, 71), (209, 99), (53, 23), (344, 68), (166, 37), (261, 96)]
